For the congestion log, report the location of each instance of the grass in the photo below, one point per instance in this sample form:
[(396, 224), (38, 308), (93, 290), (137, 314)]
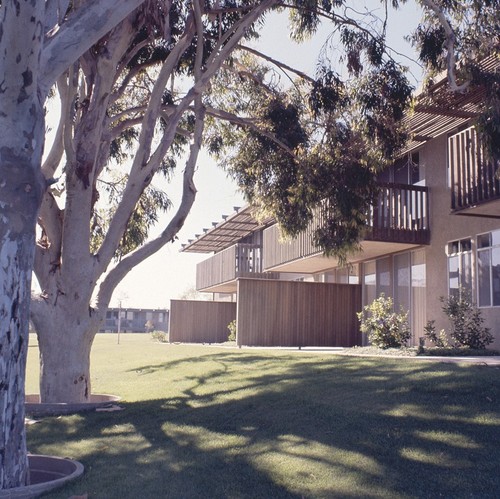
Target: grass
[(210, 422)]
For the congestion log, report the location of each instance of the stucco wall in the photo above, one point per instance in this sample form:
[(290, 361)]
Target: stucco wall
[(447, 227)]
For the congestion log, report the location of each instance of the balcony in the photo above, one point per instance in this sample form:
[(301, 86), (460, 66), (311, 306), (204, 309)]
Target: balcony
[(219, 272), (399, 221), (474, 183)]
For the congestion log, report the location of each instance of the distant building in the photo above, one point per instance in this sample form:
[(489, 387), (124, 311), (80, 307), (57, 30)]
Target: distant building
[(135, 320)]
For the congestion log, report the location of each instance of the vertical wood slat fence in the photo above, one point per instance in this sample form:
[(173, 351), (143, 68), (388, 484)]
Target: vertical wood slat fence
[(290, 313), (473, 178), (194, 321)]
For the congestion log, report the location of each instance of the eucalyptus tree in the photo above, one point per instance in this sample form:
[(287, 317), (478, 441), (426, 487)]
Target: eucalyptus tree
[(138, 87), (37, 44)]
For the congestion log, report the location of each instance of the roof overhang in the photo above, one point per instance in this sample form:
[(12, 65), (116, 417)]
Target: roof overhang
[(438, 110), (225, 233)]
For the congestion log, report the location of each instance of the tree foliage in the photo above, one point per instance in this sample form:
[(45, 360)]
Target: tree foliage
[(143, 86)]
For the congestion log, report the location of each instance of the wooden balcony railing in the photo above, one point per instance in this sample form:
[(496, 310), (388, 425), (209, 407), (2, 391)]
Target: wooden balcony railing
[(401, 215), (473, 178), (239, 260)]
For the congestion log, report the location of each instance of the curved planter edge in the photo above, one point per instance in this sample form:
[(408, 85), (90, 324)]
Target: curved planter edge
[(34, 407), (46, 473)]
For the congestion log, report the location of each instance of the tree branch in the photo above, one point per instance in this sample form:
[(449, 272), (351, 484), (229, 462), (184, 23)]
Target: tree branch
[(144, 166), (137, 256), (277, 63), (48, 247), (248, 123), (55, 155), (450, 46), (84, 27)]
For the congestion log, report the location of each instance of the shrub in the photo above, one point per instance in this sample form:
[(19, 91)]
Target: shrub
[(159, 336), (384, 327), (467, 328), (232, 331), (439, 339)]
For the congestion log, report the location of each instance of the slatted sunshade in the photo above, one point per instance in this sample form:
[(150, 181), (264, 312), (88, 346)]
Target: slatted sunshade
[(225, 233)]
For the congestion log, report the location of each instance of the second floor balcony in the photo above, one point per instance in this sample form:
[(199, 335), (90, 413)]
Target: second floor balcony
[(398, 221), (219, 272), (475, 186)]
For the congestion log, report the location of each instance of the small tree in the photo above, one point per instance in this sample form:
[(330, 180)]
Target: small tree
[(384, 327), (467, 329)]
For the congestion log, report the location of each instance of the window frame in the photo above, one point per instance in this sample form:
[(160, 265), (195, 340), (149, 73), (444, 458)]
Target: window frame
[(480, 249), (459, 254)]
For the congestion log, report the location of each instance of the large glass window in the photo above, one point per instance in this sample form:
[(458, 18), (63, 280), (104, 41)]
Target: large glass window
[(402, 277), (402, 281), (418, 294), (369, 282), (459, 266), (488, 269)]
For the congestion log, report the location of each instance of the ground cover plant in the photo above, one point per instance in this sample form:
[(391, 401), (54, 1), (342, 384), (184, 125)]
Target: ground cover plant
[(223, 422)]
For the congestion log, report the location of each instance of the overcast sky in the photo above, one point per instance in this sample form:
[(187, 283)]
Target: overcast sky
[(169, 273)]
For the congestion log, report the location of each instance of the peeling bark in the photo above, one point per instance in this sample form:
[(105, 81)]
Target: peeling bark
[(25, 78)]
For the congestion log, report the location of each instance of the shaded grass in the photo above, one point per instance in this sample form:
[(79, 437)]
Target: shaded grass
[(226, 423)]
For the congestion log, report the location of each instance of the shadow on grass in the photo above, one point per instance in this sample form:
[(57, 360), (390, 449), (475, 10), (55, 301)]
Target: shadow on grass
[(319, 427)]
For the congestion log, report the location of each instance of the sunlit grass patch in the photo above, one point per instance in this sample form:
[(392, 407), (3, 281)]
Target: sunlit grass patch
[(207, 422)]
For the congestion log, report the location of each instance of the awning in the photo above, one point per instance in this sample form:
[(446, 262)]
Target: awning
[(226, 232)]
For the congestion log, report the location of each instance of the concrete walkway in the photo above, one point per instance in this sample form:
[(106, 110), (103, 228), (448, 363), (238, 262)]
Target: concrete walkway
[(480, 360)]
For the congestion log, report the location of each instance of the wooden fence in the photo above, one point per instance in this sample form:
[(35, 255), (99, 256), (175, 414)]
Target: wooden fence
[(290, 313), (200, 321)]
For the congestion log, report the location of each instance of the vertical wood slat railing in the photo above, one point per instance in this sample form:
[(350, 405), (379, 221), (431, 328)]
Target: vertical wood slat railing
[(219, 268), (473, 178), (401, 215), (239, 260)]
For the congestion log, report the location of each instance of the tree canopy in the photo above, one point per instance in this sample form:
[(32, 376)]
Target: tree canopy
[(143, 86)]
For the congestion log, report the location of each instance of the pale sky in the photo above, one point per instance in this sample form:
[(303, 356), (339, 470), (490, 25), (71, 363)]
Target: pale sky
[(169, 273)]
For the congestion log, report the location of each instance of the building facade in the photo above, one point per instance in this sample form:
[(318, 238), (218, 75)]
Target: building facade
[(434, 230)]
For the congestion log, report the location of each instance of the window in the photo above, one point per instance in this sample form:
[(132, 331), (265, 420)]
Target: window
[(369, 282), (459, 266), (346, 275), (488, 269)]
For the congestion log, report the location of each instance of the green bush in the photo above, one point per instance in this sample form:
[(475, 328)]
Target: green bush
[(467, 328), (232, 331), (159, 336), (439, 339), (384, 327)]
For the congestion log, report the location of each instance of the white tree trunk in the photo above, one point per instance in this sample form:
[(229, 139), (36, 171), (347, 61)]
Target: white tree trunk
[(66, 330), (15, 255), (65, 365), (21, 189)]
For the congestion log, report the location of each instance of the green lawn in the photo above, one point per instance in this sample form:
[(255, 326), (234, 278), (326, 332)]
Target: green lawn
[(206, 422)]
